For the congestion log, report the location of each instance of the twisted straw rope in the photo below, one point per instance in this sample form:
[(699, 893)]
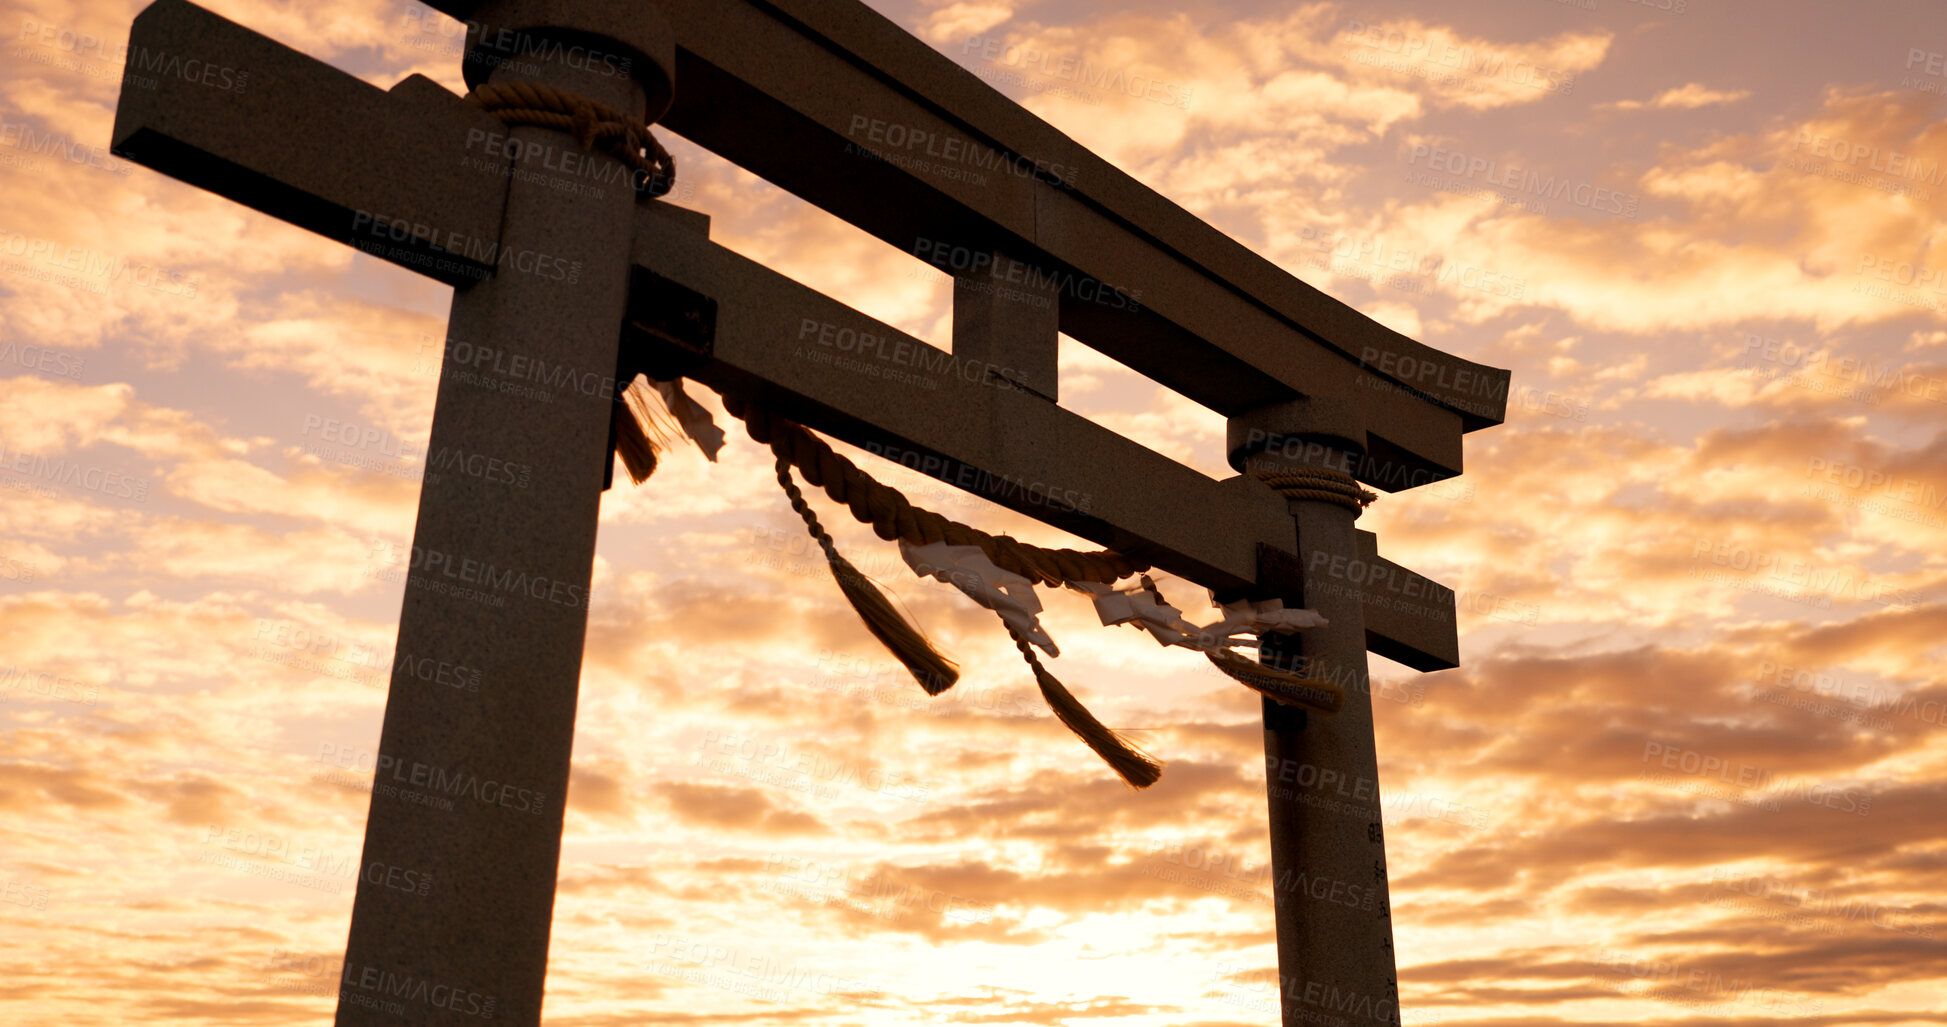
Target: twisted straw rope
[(590, 122), (893, 516), (1129, 762), (1336, 487)]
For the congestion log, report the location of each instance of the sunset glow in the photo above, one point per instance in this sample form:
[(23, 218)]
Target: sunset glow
[(1690, 770)]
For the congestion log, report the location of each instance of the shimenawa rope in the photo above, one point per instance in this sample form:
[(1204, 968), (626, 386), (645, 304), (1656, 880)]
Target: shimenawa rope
[(1321, 484), (590, 122), (892, 516)]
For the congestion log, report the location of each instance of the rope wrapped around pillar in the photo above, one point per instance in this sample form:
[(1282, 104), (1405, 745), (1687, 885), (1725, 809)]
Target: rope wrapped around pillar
[(1326, 486), (590, 122)]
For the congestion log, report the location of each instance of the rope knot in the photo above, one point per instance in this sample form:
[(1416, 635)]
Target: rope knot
[(589, 122)]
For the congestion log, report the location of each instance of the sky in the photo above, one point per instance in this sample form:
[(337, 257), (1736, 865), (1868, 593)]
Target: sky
[(1688, 772)]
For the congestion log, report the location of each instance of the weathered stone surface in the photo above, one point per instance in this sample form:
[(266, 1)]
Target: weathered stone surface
[(1328, 857), (499, 574), (218, 106), (1409, 617), (1005, 317), (613, 38)]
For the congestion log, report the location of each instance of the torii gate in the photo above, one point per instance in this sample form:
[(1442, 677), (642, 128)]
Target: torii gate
[(567, 267)]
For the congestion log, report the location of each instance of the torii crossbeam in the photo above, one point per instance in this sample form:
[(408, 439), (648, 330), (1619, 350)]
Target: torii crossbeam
[(577, 273)]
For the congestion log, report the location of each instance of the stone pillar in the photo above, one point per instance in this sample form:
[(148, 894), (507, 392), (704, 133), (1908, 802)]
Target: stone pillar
[(456, 891), (1328, 858)]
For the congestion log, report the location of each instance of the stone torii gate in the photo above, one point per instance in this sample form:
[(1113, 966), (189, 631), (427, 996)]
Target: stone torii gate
[(564, 270)]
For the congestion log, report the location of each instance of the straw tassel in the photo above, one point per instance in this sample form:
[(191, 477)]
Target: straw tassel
[(647, 431), (1135, 766), (933, 671), (635, 447)]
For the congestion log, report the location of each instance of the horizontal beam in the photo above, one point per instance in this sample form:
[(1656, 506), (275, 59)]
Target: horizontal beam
[(703, 311), (832, 101), (212, 103), (823, 364), (1409, 616)]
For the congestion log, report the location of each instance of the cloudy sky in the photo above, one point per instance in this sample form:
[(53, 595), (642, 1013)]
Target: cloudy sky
[(1700, 540)]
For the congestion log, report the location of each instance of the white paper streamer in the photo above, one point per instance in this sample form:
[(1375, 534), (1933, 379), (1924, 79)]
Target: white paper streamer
[(1254, 619), (1002, 591), (1242, 624)]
